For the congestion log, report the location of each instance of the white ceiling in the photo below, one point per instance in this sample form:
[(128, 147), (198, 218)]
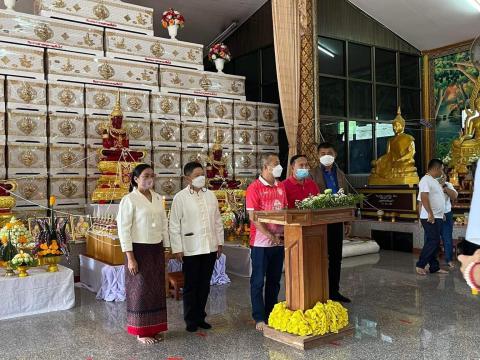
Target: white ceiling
[(204, 19), (426, 24)]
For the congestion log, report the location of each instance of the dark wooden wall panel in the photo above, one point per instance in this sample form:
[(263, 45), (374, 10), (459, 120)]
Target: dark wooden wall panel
[(340, 19), (254, 34)]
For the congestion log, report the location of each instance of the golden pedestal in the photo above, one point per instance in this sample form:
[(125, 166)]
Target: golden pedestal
[(461, 155), (404, 180)]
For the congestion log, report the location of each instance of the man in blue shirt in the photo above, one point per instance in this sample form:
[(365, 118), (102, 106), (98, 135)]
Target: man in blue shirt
[(328, 176)]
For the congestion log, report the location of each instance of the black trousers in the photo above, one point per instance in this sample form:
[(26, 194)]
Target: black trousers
[(431, 245), (197, 272), (335, 246)]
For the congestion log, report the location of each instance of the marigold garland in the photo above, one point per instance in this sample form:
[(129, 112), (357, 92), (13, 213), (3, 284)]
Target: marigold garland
[(321, 319)]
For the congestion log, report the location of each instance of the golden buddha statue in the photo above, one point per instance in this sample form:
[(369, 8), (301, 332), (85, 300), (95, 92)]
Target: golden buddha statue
[(397, 166), (467, 145)]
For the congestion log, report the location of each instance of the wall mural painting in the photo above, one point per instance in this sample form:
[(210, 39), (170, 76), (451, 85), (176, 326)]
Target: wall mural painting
[(454, 77)]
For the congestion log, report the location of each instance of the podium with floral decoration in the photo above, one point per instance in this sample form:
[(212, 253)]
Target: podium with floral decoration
[(308, 318)]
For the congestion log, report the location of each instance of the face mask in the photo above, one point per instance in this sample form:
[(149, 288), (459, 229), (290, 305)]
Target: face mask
[(199, 182), (327, 160), (440, 179), (301, 173), (148, 184), (277, 171)]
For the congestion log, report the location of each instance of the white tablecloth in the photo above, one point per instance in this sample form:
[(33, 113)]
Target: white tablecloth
[(107, 281), (239, 262), (41, 292)]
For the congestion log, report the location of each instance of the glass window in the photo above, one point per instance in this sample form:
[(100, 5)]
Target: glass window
[(359, 61), (409, 70), (332, 96), (331, 55), (386, 102), (385, 66), (334, 132), (383, 132), (360, 101), (410, 104), (360, 143)]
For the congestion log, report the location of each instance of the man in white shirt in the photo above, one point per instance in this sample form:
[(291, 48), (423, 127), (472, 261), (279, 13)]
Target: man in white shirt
[(196, 237), (450, 195), (432, 214)]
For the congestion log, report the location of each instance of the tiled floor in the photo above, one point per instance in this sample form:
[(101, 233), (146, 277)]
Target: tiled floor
[(397, 315)]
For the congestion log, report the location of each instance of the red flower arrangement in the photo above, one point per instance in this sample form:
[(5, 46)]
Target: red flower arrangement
[(219, 51), (172, 17)]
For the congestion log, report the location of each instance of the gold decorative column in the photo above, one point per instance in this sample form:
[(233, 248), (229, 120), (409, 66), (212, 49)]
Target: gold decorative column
[(429, 132), (306, 120)]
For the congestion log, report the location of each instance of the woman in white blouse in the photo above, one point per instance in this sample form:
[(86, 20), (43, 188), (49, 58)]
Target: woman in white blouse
[(143, 231)]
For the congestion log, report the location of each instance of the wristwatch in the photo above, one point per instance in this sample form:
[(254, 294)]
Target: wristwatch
[(468, 275)]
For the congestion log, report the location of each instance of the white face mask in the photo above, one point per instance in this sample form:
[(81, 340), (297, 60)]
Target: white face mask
[(277, 171), (327, 160), (199, 182), (148, 184)]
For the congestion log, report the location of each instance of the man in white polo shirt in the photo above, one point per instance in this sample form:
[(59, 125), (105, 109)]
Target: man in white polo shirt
[(431, 216)]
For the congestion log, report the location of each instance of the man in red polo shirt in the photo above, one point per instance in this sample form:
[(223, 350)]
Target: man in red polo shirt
[(266, 240), (299, 185)]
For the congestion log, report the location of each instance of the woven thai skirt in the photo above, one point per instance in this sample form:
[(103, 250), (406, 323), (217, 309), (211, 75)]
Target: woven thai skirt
[(146, 301)]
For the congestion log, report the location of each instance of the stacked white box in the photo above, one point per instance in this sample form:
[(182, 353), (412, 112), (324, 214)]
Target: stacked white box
[(25, 93), (38, 31), (165, 106), (67, 128), (65, 97), (27, 126), (33, 192), (122, 45), (67, 159), (101, 71), (21, 60), (107, 13), (69, 190)]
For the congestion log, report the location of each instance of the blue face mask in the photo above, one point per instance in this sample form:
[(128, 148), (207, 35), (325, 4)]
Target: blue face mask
[(301, 173)]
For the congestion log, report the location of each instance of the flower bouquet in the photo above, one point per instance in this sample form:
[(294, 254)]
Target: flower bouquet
[(22, 262), (19, 234), (52, 240), (219, 54), (7, 253), (329, 200), (171, 20)]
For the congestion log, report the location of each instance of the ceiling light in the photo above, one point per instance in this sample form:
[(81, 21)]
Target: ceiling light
[(322, 49), (475, 4)]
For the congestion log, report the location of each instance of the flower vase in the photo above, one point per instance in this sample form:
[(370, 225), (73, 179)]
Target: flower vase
[(8, 269), (172, 31), (220, 64), (22, 271), (52, 262), (9, 4)]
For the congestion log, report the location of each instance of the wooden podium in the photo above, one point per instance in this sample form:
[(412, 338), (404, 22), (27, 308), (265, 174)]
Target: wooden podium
[(306, 263)]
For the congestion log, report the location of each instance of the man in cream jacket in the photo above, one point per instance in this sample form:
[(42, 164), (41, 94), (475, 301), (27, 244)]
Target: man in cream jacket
[(196, 238)]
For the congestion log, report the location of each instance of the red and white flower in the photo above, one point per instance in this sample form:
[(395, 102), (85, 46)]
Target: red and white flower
[(219, 51), (172, 17)]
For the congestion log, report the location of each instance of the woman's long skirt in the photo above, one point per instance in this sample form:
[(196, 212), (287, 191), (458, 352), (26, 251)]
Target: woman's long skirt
[(146, 302)]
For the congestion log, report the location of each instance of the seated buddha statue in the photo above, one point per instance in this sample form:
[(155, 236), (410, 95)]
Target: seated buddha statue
[(217, 172), (397, 165), (115, 139), (468, 143)]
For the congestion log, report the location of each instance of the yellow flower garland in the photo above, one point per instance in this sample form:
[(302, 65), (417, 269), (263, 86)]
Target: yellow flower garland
[(321, 319)]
